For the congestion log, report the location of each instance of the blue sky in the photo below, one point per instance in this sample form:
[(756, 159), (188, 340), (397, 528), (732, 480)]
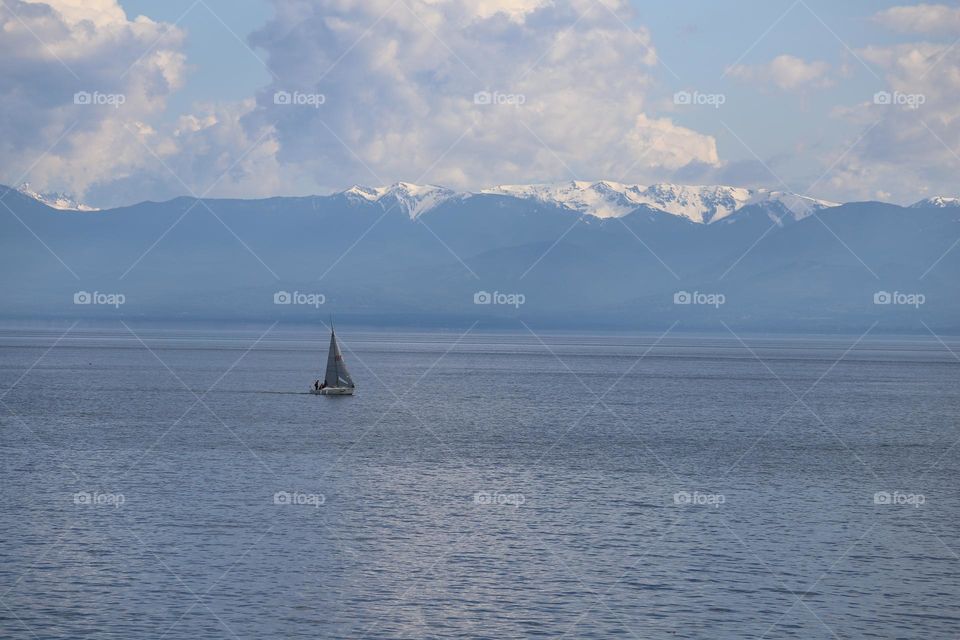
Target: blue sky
[(783, 95), (224, 68)]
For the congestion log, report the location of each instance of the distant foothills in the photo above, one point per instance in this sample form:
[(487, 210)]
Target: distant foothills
[(566, 255)]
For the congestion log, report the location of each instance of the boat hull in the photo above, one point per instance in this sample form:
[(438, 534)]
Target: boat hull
[(333, 391)]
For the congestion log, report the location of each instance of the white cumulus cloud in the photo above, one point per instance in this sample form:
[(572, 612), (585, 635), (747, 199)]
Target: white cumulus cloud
[(122, 70), (786, 72), (910, 144), (467, 94), (921, 18), (456, 92)]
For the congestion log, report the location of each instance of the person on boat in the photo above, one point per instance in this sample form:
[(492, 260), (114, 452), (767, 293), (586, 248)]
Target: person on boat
[(316, 385), (323, 385)]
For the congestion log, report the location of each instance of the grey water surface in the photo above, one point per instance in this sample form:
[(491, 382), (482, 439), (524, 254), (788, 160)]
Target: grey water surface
[(181, 483)]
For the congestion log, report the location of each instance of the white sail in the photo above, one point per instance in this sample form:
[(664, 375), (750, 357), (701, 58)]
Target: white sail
[(337, 374)]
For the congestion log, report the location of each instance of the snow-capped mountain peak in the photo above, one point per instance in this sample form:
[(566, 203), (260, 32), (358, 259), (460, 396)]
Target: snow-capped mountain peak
[(362, 192), (412, 199), (941, 202), (602, 199), (701, 204), (55, 200), (605, 198)]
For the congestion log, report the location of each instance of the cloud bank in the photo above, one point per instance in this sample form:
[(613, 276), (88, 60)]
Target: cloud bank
[(76, 75), (467, 94), (449, 91), (453, 92), (910, 145)]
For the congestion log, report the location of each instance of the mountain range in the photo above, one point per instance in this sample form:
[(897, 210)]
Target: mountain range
[(571, 254), (603, 199)]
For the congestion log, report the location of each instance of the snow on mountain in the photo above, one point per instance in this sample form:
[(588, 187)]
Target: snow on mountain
[(603, 199), (600, 199), (412, 199), (55, 200), (702, 204), (797, 206), (941, 202)]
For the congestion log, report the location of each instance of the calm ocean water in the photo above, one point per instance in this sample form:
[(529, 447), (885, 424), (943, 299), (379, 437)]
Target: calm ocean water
[(478, 486)]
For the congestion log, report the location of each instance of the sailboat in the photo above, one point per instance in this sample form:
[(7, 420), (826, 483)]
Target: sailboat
[(337, 381)]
